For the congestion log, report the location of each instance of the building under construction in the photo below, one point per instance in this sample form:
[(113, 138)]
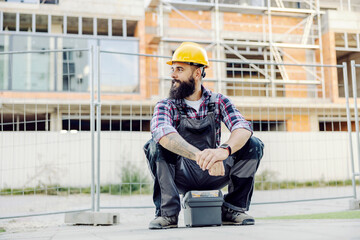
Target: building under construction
[(275, 59), (287, 65)]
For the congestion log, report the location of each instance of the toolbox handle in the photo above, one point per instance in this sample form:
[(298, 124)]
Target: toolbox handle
[(188, 195)]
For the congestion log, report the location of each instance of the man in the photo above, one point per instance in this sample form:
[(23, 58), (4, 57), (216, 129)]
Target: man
[(185, 153)]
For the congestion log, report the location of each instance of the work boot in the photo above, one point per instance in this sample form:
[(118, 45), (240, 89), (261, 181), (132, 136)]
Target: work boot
[(163, 222), (233, 217)]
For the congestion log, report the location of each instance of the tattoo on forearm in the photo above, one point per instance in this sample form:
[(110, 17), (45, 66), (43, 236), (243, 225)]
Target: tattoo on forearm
[(176, 144)]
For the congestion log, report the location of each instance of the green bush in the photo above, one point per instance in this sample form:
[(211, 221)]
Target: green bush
[(267, 180), (132, 182)]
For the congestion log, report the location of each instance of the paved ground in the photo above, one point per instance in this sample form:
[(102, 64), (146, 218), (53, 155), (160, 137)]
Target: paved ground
[(264, 229), (134, 223)]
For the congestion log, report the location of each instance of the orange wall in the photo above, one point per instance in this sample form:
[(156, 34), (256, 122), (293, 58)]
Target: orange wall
[(330, 74), (242, 22), (151, 19), (201, 18), (298, 123), (151, 67), (254, 23), (295, 73), (140, 33)]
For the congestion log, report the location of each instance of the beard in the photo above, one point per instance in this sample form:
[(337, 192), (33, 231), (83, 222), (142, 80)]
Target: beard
[(184, 89)]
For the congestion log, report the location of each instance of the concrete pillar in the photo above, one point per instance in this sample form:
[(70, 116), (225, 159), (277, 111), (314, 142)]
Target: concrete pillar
[(55, 121), (314, 122)]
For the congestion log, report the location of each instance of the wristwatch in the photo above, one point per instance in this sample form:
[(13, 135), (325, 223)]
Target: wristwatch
[(226, 146)]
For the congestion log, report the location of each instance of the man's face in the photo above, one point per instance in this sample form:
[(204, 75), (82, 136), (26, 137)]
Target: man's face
[(183, 82)]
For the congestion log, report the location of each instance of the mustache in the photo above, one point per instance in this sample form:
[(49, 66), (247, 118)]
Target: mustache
[(175, 80)]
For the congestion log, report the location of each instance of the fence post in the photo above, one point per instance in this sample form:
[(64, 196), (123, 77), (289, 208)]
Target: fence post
[(92, 125), (354, 84), (98, 129), (346, 89)]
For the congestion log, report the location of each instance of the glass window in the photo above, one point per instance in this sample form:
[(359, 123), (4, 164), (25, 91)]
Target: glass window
[(130, 28), (50, 1), (73, 25), (102, 26), (117, 27), (23, 1), (57, 24), (119, 73), (41, 23), (352, 40), (4, 62), (31, 71), (75, 65), (339, 40), (69, 70), (87, 26), (25, 22), (9, 21)]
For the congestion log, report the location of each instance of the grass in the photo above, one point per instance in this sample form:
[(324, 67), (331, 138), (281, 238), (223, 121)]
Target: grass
[(132, 182), (267, 181), (2, 230), (355, 214)]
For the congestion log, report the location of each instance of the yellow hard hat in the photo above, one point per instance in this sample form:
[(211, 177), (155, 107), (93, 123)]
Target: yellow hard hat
[(190, 52)]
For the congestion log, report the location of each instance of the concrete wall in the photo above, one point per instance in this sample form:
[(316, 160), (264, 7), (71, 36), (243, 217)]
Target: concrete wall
[(341, 21), (118, 9), (36, 158)]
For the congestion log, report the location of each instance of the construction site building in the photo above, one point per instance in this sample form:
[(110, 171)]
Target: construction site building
[(274, 58)]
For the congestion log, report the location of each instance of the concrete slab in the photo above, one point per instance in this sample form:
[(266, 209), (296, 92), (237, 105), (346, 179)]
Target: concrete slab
[(264, 229), (134, 222), (92, 218), (354, 204)]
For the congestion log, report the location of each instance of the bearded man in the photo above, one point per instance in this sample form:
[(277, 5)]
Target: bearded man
[(185, 152)]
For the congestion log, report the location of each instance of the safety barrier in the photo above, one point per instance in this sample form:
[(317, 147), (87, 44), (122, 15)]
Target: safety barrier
[(75, 151)]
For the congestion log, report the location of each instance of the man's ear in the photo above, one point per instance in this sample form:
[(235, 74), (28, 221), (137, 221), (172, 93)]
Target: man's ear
[(198, 73)]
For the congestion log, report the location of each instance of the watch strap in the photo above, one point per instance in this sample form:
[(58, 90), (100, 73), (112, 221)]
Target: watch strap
[(226, 146)]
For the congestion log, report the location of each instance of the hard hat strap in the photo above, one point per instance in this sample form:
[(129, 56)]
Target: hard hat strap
[(202, 68), (203, 73)]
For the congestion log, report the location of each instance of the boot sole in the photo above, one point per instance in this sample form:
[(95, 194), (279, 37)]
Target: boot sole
[(162, 227), (245, 222)]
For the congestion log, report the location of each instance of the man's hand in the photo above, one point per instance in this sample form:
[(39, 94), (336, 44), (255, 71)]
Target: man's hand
[(208, 157), (217, 169)]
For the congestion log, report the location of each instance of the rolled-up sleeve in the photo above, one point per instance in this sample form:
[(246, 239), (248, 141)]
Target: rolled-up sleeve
[(162, 121), (231, 117)]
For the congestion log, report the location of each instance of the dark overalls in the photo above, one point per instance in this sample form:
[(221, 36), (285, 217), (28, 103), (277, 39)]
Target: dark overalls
[(174, 174)]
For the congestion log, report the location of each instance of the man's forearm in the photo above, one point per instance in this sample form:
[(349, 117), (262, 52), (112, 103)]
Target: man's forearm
[(238, 138), (177, 144)]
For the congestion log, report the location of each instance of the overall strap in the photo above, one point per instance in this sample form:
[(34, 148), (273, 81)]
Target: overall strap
[(211, 105)]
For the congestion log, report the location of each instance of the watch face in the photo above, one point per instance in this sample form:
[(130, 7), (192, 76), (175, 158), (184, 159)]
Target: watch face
[(224, 145), (227, 147)]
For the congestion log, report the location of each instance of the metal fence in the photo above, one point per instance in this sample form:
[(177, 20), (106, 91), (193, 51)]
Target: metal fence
[(356, 117), (83, 151), (44, 162)]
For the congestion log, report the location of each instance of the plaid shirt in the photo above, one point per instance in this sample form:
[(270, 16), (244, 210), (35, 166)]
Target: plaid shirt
[(166, 117)]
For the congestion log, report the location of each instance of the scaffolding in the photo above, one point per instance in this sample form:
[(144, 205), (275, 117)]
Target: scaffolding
[(270, 43)]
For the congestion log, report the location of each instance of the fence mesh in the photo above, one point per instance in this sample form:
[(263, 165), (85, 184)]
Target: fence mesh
[(45, 163), (46, 139)]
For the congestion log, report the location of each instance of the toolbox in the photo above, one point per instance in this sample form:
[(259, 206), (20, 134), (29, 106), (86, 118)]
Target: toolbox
[(202, 208)]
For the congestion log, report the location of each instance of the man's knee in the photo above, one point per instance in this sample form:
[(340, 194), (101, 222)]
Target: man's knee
[(256, 146), (253, 149), (150, 149)]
